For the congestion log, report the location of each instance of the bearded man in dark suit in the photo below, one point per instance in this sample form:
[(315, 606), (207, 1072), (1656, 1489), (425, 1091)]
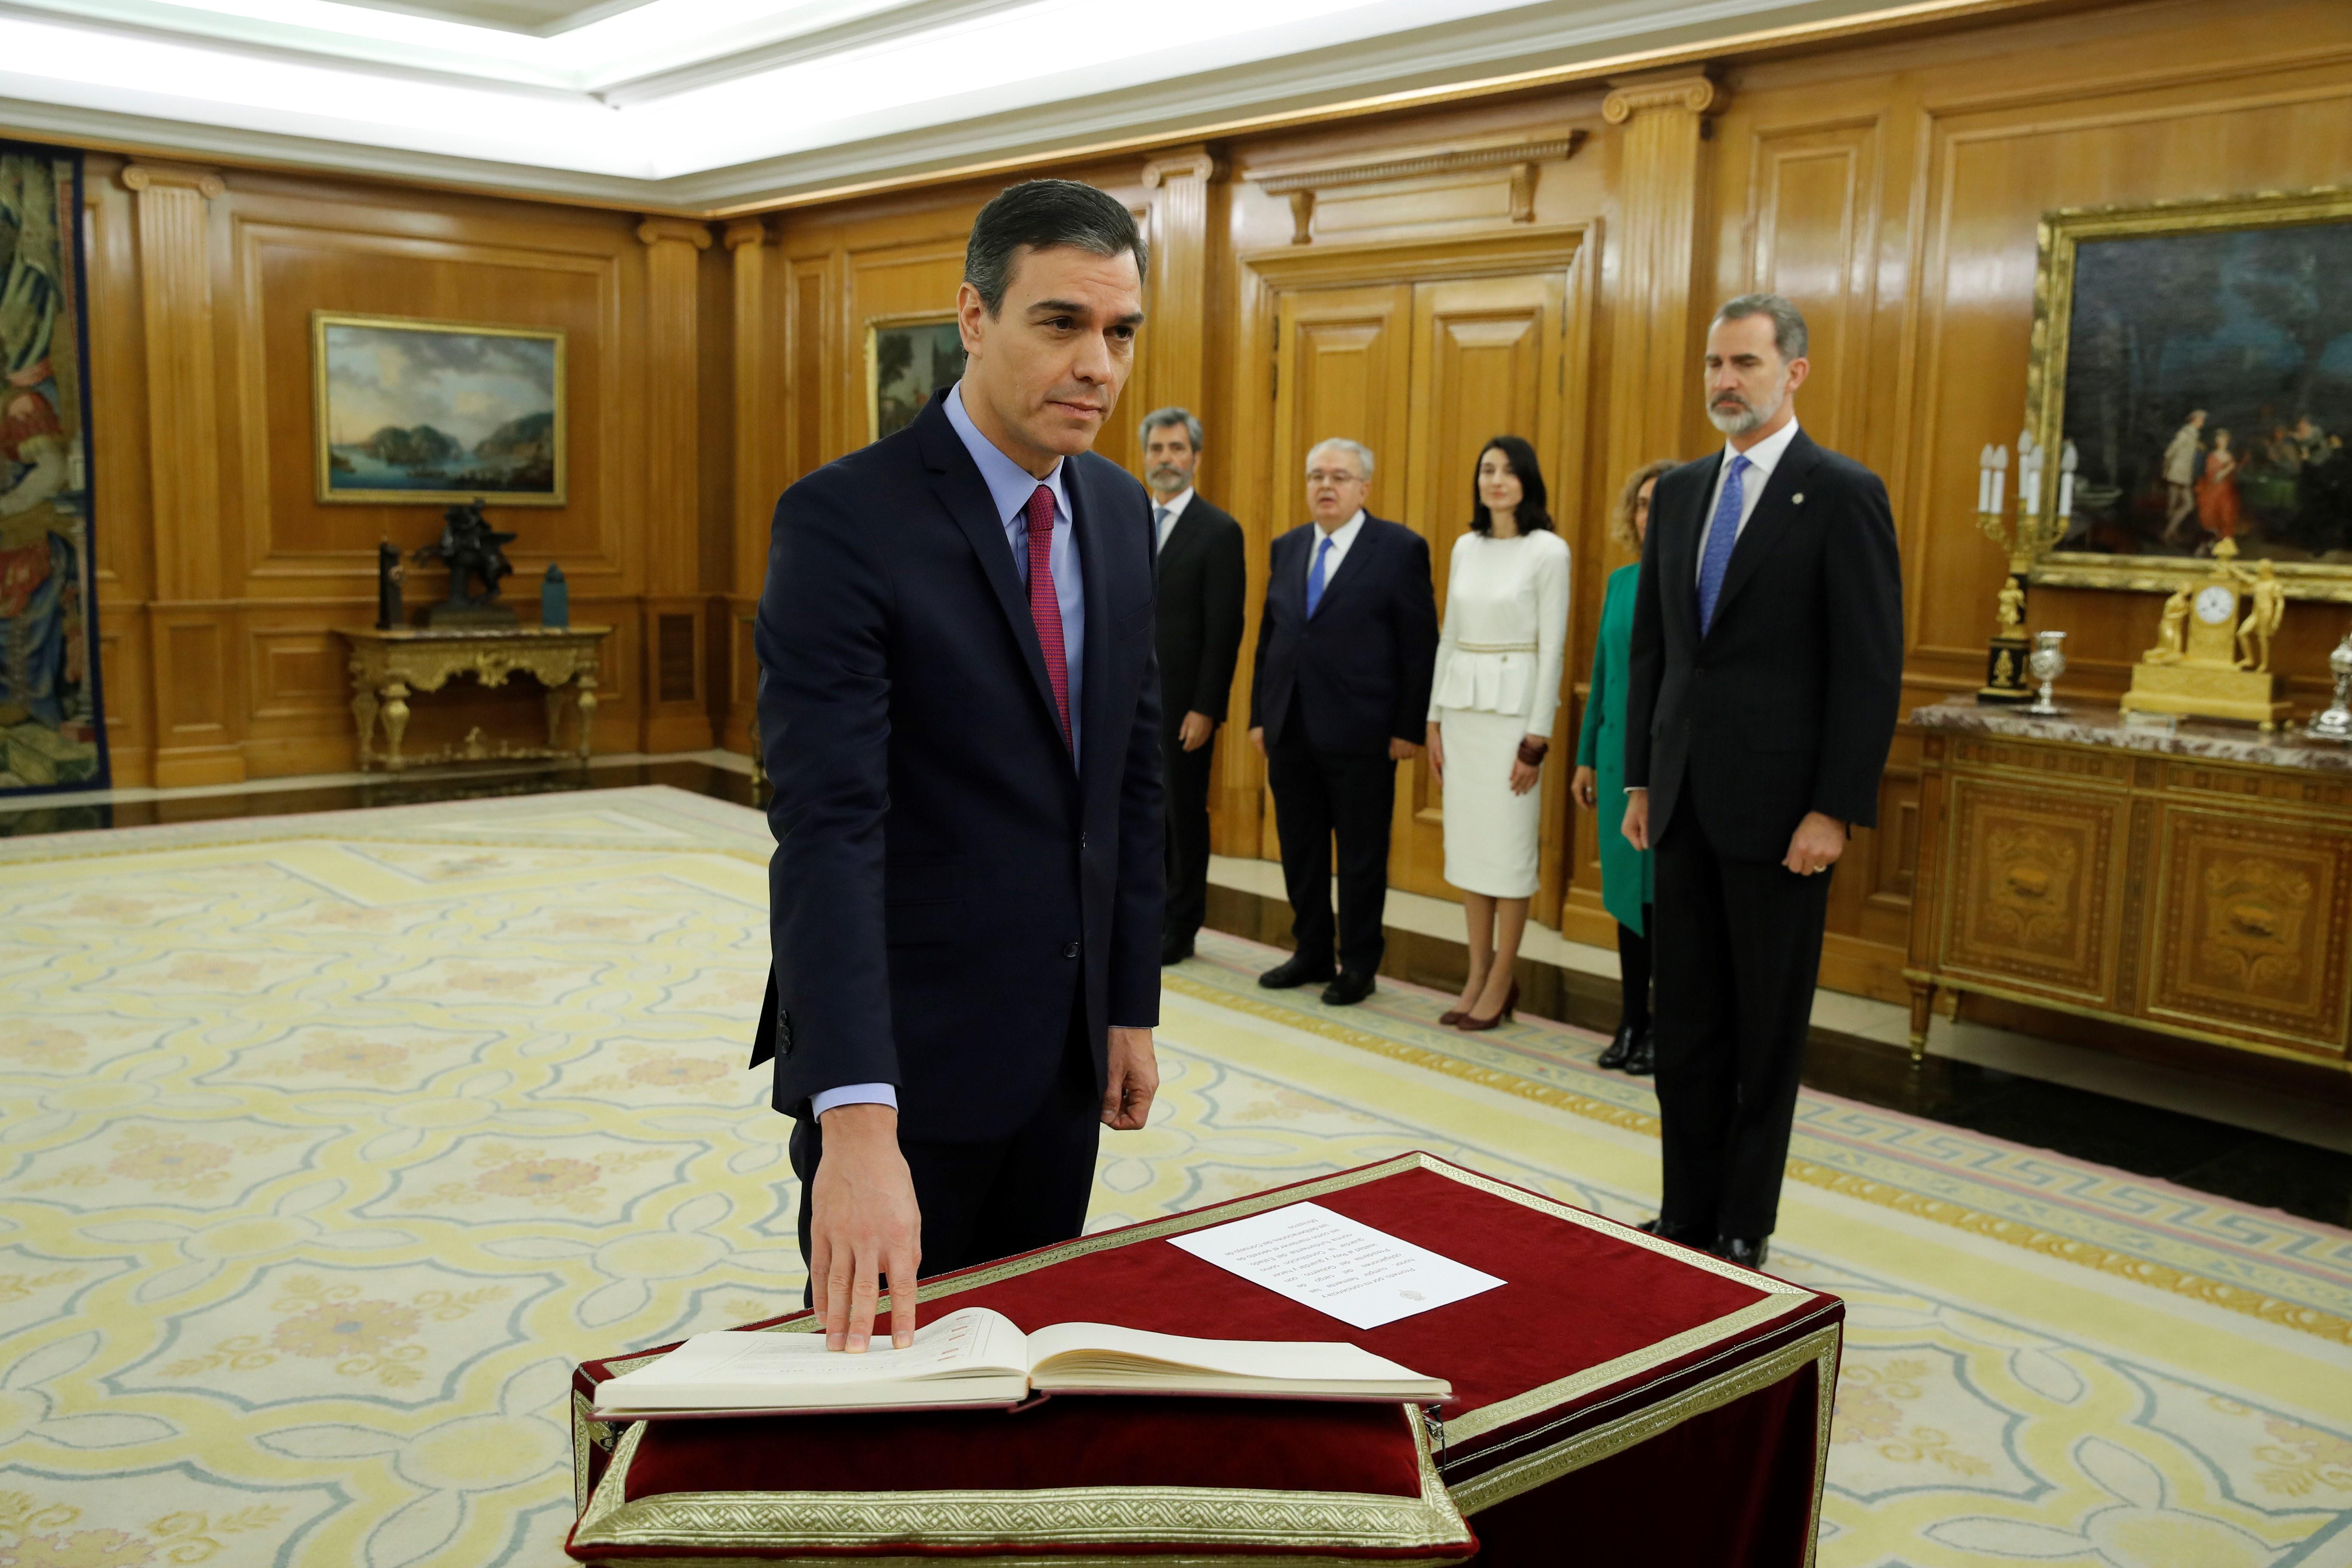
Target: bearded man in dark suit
[(961, 707), (1766, 672), (1203, 584)]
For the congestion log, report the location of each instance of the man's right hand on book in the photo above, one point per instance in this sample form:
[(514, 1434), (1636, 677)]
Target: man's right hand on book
[(864, 1225)]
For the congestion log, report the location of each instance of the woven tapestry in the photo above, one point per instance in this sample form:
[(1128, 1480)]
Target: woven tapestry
[(51, 732)]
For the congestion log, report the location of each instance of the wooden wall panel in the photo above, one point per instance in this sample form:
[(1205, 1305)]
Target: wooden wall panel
[(222, 577), (1891, 186)]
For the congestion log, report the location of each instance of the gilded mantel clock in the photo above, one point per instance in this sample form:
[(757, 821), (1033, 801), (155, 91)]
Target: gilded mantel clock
[(2212, 653)]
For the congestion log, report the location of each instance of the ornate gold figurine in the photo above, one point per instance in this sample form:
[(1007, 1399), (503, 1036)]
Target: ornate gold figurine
[(2212, 653)]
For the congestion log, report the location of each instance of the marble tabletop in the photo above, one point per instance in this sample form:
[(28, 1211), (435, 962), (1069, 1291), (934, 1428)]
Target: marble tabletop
[(2090, 724)]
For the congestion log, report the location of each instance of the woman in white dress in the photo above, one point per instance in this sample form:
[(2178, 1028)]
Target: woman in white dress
[(1492, 703)]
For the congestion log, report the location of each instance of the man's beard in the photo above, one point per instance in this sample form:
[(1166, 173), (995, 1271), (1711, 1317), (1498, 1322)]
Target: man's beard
[(1166, 477), (1745, 419)]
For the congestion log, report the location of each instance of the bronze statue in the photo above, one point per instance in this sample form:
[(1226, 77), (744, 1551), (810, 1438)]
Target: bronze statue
[(388, 574), (472, 549)]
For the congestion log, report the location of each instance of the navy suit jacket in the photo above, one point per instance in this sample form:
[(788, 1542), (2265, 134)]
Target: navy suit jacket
[(947, 885), (1362, 666), (1788, 704)]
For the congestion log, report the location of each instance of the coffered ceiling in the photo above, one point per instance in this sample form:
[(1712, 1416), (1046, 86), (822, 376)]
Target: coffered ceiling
[(721, 105)]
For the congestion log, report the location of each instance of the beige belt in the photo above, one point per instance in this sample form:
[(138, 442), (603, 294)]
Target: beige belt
[(1494, 647)]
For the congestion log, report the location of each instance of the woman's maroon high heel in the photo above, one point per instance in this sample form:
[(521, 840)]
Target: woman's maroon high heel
[(1472, 1024)]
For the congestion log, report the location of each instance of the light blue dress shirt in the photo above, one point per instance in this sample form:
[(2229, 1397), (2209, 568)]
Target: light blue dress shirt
[(1010, 486)]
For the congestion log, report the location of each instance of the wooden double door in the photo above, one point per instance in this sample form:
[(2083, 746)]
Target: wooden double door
[(1424, 370)]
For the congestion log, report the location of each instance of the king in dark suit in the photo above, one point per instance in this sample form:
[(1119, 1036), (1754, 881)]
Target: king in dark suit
[(1765, 673), (1346, 650), (961, 708), (1203, 585)]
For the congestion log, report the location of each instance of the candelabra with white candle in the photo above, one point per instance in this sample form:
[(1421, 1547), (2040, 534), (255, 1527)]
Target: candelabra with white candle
[(2024, 539)]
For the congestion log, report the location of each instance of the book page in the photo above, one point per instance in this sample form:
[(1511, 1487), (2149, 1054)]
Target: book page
[(733, 1366), (1248, 1360), (1362, 1277)]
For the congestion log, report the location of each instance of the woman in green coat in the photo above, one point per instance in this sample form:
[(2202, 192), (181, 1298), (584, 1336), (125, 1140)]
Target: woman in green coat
[(1599, 785)]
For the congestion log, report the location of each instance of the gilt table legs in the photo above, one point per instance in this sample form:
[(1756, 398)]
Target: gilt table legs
[(363, 708), (585, 684), (395, 721), (1923, 1007)]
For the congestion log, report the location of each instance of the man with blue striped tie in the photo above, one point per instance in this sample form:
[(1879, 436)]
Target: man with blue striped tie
[(1346, 650), (1766, 672)]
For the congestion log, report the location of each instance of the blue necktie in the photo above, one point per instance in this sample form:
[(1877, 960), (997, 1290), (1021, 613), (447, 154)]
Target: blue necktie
[(1314, 576), (1721, 535)]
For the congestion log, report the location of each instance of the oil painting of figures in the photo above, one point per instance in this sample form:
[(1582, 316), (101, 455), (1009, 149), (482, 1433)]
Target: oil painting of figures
[(907, 364), (431, 412), (2208, 392), (51, 732)]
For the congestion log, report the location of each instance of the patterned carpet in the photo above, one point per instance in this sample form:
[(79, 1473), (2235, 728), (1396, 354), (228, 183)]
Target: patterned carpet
[(327, 1143)]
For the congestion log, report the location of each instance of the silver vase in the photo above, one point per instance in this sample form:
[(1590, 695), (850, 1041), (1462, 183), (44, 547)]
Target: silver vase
[(2333, 722), (2046, 663)]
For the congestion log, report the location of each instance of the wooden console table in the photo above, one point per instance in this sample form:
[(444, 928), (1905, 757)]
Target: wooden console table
[(388, 666), (2197, 883)]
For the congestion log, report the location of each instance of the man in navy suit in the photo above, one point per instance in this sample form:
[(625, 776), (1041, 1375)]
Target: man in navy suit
[(1346, 650), (961, 707), (1760, 700)]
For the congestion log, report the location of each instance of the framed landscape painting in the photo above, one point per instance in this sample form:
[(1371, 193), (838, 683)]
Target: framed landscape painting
[(909, 360), (2198, 356), (435, 412)]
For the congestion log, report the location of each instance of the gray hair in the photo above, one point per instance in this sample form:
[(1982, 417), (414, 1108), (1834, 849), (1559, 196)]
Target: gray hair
[(1788, 321), (1040, 215), (1356, 450), (1160, 417)]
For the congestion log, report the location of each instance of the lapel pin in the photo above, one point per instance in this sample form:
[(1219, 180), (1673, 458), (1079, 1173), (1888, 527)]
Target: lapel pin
[(1798, 499)]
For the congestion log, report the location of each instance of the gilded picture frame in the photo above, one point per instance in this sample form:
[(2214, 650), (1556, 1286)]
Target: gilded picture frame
[(410, 411), (908, 358), (2191, 313)]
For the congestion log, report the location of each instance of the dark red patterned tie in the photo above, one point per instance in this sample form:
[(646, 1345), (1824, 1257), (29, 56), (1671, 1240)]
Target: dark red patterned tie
[(1044, 605)]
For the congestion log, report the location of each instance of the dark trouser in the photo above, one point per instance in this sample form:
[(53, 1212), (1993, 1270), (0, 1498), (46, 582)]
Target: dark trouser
[(1318, 794), (1633, 953), (1738, 950), (1186, 790), (998, 1196)]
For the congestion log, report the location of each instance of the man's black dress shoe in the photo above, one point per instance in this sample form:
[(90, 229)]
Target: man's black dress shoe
[(1746, 1253), (1620, 1047), (1643, 1059), (1687, 1235), (1296, 970), (1174, 950), (1350, 987)]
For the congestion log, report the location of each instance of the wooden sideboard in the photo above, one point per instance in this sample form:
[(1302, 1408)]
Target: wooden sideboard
[(2197, 883)]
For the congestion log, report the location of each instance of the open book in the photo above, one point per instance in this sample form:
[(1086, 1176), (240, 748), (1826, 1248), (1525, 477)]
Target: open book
[(977, 1357)]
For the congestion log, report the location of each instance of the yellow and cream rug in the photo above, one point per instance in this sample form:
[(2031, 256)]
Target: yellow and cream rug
[(328, 1143)]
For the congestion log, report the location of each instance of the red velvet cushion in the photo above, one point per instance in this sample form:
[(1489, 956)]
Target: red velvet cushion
[(1094, 1441), (1581, 1295)]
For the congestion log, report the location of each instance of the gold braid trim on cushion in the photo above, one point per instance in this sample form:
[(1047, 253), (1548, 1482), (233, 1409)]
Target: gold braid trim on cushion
[(994, 1560), (1311, 1526), (1548, 1465)]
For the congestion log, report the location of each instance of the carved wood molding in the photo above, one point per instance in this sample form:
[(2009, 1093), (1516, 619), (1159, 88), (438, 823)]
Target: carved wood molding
[(168, 176), (1195, 165), (1690, 94), (655, 231), (742, 232), (1301, 183), (1283, 181)]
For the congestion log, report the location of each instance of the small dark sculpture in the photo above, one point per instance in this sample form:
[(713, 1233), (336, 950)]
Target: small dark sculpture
[(388, 574), (472, 549), (554, 598)]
